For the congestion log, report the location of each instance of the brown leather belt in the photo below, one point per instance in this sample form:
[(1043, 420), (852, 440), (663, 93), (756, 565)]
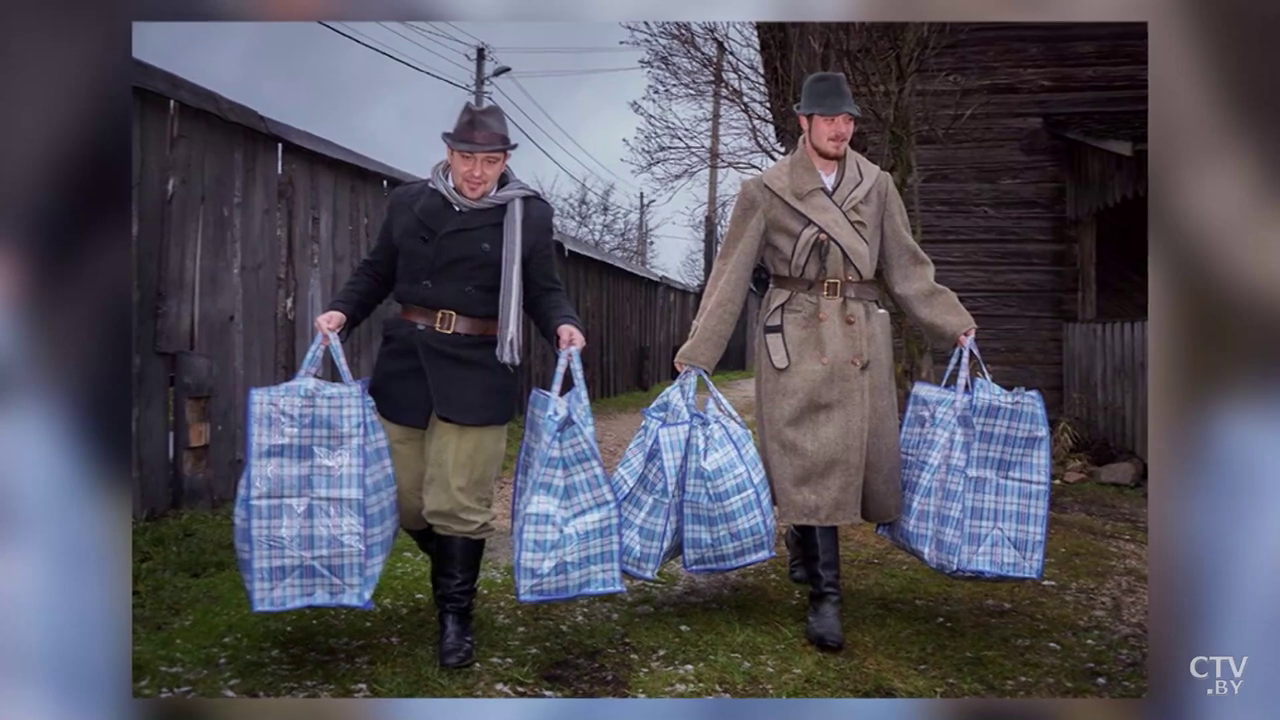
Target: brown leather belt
[(448, 321), (830, 288)]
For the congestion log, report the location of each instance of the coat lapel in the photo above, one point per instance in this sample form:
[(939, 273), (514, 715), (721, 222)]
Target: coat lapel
[(797, 182), (434, 211)]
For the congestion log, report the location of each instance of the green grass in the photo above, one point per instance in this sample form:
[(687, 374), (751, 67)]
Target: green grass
[(910, 631), (640, 399)]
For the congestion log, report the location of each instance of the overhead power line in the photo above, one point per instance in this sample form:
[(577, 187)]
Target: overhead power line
[(565, 50), (511, 101), (442, 56), (432, 32), (445, 80), (407, 64), (565, 72), (464, 32), (567, 134)]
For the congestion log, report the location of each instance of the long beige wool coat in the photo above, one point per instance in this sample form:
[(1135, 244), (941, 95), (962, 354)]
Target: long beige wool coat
[(826, 404)]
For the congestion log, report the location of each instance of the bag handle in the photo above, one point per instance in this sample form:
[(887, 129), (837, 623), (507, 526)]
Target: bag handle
[(961, 355), (578, 403), (691, 395), (570, 359), (311, 363)]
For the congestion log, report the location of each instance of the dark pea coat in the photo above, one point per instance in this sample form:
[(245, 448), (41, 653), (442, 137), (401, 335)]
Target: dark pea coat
[(431, 254)]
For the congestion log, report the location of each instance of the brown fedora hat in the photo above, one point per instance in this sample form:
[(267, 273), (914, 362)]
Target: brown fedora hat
[(480, 130)]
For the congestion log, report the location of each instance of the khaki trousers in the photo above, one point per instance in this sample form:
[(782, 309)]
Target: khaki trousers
[(445, 475)]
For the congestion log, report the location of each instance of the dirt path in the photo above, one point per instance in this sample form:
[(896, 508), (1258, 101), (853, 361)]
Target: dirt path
[(614, 431)]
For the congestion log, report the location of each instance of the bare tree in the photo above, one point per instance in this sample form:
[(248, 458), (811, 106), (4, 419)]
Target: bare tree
[(599, 215), (671, 146), (888, 64), (690, 269)]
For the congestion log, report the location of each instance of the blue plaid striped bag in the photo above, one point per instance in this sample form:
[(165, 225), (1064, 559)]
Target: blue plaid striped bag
[(648, 482), (727, 505), (976, 475), (315, 512), (691, 485), (564, 516)]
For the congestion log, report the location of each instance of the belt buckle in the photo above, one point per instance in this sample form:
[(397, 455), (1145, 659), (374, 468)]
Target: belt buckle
[(453, 320), (828, 292)]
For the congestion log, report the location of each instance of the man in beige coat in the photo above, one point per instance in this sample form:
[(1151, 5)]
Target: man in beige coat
[(824, 221)]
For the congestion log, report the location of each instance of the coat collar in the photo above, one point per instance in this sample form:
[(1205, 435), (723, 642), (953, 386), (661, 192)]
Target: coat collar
[(796, 181), (440, 216)]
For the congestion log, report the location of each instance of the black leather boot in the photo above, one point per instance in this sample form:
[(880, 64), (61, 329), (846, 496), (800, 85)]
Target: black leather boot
[(424, 538), (455, 570), (819, 546), (795, 560)]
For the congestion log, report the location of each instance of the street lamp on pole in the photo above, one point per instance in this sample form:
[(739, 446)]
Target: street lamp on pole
[(482, 78)]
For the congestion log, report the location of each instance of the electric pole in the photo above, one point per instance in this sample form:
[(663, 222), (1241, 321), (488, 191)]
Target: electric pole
[(640, 233), (709, 229), (479, 90), (642, 245)]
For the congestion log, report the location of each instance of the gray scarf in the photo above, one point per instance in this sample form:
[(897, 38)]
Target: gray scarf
[(511, 301)]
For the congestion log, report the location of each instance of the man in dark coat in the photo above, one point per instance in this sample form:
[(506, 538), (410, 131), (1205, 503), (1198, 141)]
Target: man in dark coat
[(462, 252)]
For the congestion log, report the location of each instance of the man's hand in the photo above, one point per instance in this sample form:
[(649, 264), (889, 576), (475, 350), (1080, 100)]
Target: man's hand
[(681, 367), (570, 336), (963, 340), (330, 322)]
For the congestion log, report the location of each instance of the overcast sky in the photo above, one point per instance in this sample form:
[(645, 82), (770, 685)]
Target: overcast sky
[(308, 76)]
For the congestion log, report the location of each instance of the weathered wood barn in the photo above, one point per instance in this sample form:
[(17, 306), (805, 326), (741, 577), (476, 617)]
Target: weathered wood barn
[(243, 228), (1032, 203)]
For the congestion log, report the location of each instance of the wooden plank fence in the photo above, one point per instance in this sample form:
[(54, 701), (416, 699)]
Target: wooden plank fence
[(243, 229), (1105, 380)]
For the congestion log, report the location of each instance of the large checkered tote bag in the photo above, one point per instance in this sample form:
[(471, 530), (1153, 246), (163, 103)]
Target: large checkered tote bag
[(648, 481), (726, 505), (564, 515), (976, 475), (315, 512)]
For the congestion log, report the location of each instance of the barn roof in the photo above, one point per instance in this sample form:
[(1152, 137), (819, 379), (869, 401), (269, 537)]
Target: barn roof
[(1119, 132), (574, 245)]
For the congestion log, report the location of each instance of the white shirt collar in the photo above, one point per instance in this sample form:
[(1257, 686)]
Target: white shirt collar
[(829, 180)]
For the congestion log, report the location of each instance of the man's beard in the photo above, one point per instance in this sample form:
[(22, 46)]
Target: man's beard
[(827, 155)]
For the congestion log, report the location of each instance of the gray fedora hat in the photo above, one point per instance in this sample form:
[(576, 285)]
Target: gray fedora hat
[(480, 130), (827, 93)]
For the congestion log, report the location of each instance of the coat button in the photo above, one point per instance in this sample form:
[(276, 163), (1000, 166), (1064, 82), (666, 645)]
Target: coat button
[(857, 362), (822, 316), (421, 326), (470, 289), (426, 283), (849, 278), (850, 319), (484, 247), (822, 237), (825, 360)]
